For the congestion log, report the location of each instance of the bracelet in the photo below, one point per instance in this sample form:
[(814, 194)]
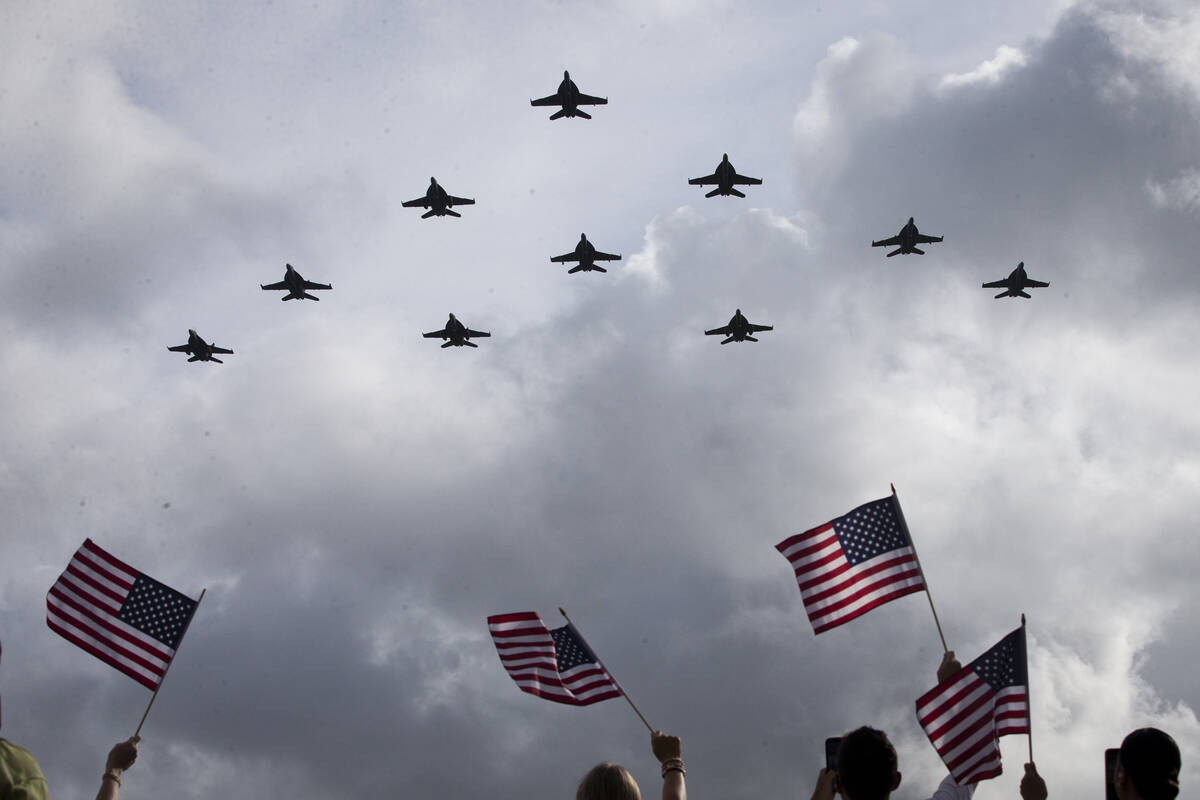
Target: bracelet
[(673, 765), (110, 776)]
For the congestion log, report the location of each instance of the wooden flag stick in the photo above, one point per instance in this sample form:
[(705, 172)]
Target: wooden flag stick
[(1028, 704), (610, 675), (928, 596), (138, 732)]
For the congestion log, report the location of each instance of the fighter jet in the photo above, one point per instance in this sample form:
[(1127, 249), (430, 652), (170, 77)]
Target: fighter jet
[(198, 349), (724, 179), (1015, 284), (295, 285), (570, 98), (587, 256), (456, 333), (438, 202), (908, 238), (738, 329)]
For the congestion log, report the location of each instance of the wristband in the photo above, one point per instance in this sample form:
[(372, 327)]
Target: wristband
[(110, 776), (673, 765)]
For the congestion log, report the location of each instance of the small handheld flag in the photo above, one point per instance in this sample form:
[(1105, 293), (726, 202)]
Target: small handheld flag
[(554, 664), (121, 616), (965, 716), (853, 563)]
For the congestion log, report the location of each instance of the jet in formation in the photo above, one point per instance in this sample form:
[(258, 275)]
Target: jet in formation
[(725, 178), (438, 202), (1015, 284), (587, 256), (295, 286), (738, 329), (570, 98), (456, 333), (906, 240), (200, 350)]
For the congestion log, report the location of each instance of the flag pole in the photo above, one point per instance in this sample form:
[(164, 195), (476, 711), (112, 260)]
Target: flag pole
[(138, 732), (610, 675), (917, 558), (1028, 703)]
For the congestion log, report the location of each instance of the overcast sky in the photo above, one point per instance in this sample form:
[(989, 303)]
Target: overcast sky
[(357, 500)]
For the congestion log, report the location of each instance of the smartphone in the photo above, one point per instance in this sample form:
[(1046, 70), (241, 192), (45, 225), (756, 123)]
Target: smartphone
[(1111, 755), (831, 750)]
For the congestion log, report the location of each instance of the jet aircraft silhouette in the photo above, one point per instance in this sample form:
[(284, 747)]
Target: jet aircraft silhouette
[(724, 179), (456, 333), (738, 329), (295, 285), (438, 202), (908, 238), (570, 98), (1015, 284), (587, 256), (198, 349)]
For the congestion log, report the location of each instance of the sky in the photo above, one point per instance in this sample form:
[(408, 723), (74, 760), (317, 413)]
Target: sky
[(356, 501)]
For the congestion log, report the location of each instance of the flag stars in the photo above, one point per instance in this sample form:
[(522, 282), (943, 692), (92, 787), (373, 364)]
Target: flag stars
[(157, 610), (870, 530)]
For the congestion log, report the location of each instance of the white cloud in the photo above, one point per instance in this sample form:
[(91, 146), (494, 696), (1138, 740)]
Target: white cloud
[(991, 71)]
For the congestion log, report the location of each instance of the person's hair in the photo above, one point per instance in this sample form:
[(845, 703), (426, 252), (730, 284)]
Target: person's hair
[(866, 764), (1151, 759), (607, 781)]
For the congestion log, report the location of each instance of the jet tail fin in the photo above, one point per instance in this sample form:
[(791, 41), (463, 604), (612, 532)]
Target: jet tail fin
[(447, 344), (714, 192), (469, 343), (428, 214), (453, 213), (736, 192), (750, 338), (583, 114), (727, 341), (214, 358), (1002, 294), (1025, 294), (918, 251), (562, 112), (895, 252)]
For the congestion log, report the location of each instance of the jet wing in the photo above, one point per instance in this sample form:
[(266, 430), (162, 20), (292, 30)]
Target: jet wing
[(272, 286), (598, 256), (475, 334), (214, 349), (707, 180), (565, 257), (181, 348), (311, 285), (588, 100), (459, 201), (442, 334), (742, 180), (1001, 284), (420, 202), (724, 330), (923, 239), (755, 328), (553, 100), (1030, 283), (892, 242)]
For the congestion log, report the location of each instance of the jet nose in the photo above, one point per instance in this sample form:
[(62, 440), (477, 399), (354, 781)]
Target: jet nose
[(566, 75), (724, 156)]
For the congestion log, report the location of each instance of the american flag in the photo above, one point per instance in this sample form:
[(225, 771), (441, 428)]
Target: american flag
[(554, 664), (965, 716), (853, 563), (124, 618)]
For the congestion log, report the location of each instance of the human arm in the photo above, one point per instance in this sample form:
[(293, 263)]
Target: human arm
[(1032, 785), (826, 788), (120, 758), (669, 752)]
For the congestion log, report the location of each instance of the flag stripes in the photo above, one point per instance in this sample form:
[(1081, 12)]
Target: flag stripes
[(528, 652)]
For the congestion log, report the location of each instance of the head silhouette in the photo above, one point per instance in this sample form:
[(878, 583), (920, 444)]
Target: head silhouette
[(867, 766), (607, 781), (1149, 765)]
